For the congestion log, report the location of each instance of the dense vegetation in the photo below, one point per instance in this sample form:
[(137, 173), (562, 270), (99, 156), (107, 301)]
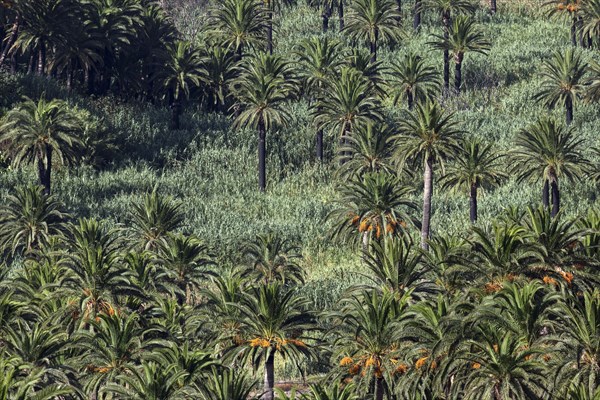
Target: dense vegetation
[(372, 198)]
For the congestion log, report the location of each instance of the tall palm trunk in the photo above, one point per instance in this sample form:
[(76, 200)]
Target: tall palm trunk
[(569, 109), (341, 14), (175, 113), (473, 203), (555, 195), (379, 389), (45, 169), (12, 38), (574, 30), (446, 27), (458, 72), (343, 141), (374, 46), (410, 99), (41, 59), (269, 382), (70, 75), (326, 15), (270, 29), (546, 194), (427, 194), (399, 6), (417, 16), (493, 7), (262, 154)]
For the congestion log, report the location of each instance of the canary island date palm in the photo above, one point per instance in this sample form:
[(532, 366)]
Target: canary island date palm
[(446, 9), (414, 80), (182, 70), (239, 24), (476, 166), (374, 22), (590, 12), (220, 66), (42, 133), (576, 321), (273, 258), (497, 365), (153, 217), (568, 9), (369, 149), (549, 151), (428, 136), (563, 81), (29, 219), (464, 36), (592, 90), (320, 60), (274, 321), (15, 386), (366, 340), (261, 99), (349, 102), (371, 207)]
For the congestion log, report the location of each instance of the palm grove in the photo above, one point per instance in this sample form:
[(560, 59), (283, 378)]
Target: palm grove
[(504, 308)]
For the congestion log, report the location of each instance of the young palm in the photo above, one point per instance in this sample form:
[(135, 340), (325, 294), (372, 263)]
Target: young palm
[(476, 165), (372, 207), (182, 70), (464, 36), (41, 133), (548, 150), (414, 80), (563, 81), (427, 136), (261, 96), (274, 321), (320, 60), (228, 384), (153, 218), (370, 151), (349, 103), (219, 64), (271, 258), (28, 220), (446, 9), (239, 24), (366, 339), (373, 21)]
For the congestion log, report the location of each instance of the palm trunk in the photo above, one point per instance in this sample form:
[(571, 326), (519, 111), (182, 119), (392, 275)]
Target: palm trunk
[(262, 154), (319, 143), (458, 76), (70, 76), (175, 112), (399, 6), (555, 196), (343, 142), (580, 29), (270, 31), (341, 14), (493, 7), (574, 30), (410, 99), (374, 46), (417, 16), (446, 27), (427, 194), (269, 382), (569, 110), (11, 39), (46, 170), (546, 194), (473, 203), (379, 389), (326, 15), (41, 60)]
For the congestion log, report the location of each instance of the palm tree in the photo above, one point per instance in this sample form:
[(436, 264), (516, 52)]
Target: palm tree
[(41, 133), (274, 321), (371, 207), (427, 136), (366, 338), (497, 365), (464, 36), (29, 219), (592, 92), (228, 384), (271, 6), (446, 9), (182, 71), (154, 217), (349, 103), (414, 79), (271, 258), (476, 165), (548, 150), (369, 149), (566, 8), (590, 11), (219, 64), (563, 81), (373, 21), (260, 97), (320, 60), (17, 7), (240, 24)]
